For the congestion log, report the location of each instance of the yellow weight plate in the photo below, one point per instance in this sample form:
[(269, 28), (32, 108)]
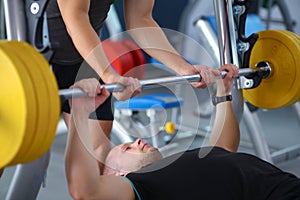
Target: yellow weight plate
[(54, 114), (282, 53), (22, 50), (297, 42), (45, 137), (12, 49), (53, 97), (30, 133), (41, 93), (17, 107)]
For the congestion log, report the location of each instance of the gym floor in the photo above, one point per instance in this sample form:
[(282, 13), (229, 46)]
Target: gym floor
[(281, 128)]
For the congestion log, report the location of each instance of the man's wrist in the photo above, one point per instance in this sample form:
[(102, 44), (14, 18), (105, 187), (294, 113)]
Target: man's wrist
[(219, 99)]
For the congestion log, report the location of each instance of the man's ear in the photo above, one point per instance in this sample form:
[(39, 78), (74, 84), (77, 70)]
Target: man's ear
[(120, 174)]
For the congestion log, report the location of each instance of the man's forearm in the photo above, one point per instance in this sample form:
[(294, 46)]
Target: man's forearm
[(81, 166), (225, 132)]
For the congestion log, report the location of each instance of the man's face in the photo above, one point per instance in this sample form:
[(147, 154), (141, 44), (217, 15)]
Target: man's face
[(131, 157)]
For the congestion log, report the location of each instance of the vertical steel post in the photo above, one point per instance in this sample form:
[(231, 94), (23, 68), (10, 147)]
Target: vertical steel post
[(226, 32), (15, 19), (28, 178), (256, 134)]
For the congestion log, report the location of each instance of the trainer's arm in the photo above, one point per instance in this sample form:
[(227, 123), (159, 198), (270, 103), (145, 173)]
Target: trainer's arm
[(82, 170), (85, 39), (87, 42), (225, 132), (150, 37)]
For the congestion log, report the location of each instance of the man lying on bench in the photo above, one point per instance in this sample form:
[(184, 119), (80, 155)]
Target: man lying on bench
[(138, 171)]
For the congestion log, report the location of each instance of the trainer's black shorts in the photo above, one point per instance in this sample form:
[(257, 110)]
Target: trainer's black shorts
[(66, 76)]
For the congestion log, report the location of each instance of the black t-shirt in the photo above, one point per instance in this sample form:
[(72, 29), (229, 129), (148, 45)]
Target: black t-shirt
[(214, 173), (66, 53)]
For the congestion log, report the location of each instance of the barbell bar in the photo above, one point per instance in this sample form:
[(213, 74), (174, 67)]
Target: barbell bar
[(157, 82)]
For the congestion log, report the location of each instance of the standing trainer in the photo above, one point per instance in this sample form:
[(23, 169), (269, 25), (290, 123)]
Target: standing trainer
[(74, 26)]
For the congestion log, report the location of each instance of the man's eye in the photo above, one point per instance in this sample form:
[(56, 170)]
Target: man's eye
[(125, 148)]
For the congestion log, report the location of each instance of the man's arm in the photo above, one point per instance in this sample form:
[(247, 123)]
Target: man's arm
[(225, 132), (82, 170)]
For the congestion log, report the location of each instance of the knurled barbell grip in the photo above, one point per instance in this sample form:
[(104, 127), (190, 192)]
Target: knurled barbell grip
[(153, 83)]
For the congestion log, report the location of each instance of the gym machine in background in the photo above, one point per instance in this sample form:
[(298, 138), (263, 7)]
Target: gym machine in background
[(25, 22)]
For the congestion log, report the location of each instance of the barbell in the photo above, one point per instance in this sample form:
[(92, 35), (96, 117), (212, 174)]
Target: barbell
[(158, 82), (30, 99)]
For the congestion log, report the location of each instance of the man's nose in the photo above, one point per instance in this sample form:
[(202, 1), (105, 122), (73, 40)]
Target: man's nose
[(138, 142)]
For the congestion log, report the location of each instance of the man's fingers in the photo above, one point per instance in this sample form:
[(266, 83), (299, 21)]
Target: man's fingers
[(102, 96), (90, 86)]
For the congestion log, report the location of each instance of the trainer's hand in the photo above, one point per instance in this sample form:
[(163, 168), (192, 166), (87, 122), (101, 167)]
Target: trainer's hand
[(132, 88), (208, 75), (96, 95)]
